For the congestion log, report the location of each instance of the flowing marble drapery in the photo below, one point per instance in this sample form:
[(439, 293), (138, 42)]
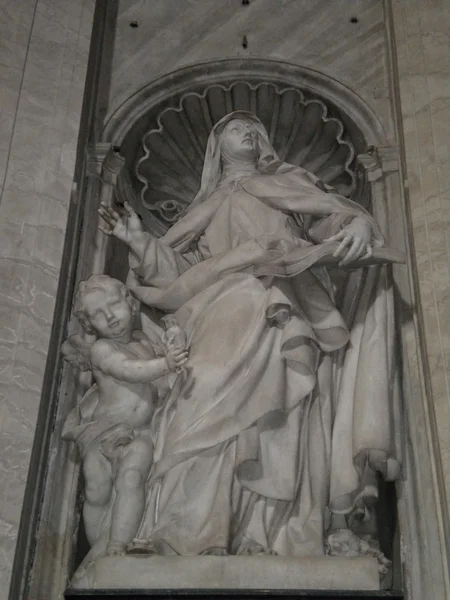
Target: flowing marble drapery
[(284, 415)]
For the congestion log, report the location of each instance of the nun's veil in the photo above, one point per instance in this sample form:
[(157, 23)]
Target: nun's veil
[(212, 168)]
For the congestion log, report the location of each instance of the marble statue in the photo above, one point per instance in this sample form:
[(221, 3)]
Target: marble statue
[(112, 424), (272, 433)]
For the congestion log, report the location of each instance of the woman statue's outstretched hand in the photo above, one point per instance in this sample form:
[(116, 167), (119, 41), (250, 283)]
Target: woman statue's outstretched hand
[(355, 241), (125, 226)]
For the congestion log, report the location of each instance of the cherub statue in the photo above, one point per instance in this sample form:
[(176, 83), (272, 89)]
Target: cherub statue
[(112, 424)]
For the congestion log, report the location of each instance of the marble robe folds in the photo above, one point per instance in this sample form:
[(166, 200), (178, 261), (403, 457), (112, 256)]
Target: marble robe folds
[(284, 413)]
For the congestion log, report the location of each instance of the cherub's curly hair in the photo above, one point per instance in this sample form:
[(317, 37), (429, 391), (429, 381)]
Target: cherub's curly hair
[(104, 283)]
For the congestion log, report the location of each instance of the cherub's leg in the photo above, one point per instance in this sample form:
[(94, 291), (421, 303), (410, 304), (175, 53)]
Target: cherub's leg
[(98, 488), (129, 503)]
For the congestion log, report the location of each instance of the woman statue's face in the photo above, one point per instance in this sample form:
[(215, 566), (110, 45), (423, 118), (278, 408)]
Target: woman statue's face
[(239, 140)]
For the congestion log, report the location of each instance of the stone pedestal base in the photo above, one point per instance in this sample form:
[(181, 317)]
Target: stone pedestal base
[(230, 572)]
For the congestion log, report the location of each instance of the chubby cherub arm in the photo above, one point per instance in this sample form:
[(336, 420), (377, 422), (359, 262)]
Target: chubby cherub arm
[(115, 363)]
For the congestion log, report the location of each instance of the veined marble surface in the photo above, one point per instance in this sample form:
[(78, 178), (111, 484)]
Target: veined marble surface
[(422, 37), (43, 59), (422, 41), (312, 33)]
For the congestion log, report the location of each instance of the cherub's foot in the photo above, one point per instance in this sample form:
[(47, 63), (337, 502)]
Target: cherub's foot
[(138, 546), (115, 548)]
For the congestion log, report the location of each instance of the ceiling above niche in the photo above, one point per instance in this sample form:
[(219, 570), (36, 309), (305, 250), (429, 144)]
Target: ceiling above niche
[(164, 131)]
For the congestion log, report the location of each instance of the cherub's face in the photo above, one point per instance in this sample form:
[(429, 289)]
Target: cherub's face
[(110, 314), (239, 138)]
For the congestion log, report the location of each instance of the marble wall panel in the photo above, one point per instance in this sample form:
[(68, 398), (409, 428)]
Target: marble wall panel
[(15, 26), (43, 58), (314, 33), (422, 38)]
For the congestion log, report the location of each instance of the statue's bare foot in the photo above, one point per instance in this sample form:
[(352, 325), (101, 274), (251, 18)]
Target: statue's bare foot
[(215, 552), (115, 548), (138, 546), (251, 548)]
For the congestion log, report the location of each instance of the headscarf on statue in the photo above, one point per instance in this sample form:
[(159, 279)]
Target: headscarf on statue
[(212, 168)]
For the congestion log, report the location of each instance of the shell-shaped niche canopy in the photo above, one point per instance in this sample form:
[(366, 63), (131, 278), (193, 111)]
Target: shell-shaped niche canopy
[(303, 132)]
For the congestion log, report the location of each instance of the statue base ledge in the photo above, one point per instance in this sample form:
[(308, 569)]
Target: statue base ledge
[(230, 572)]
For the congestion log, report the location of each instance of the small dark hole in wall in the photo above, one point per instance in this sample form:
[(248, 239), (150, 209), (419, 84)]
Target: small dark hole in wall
[(116, 149), (245, 42), (245, 2), (134, 24), (354, 20)]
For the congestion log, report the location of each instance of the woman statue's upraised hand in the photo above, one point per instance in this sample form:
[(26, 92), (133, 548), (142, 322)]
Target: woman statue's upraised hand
[(125, 226)]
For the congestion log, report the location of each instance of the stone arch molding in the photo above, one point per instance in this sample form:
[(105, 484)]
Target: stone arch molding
[(313, 121), (130, 113)]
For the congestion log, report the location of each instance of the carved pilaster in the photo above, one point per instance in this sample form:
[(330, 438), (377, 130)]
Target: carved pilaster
[(96, 158), (104, 166), (105, 160), (378, 161), (390, 158)]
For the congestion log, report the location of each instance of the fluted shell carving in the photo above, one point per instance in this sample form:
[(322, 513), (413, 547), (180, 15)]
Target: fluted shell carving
[(301, 130)]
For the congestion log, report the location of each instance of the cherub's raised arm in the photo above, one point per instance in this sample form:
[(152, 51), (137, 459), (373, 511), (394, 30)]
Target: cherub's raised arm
[(117, 364)]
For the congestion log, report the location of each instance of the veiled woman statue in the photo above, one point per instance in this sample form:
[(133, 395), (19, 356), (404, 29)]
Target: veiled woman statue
[(276, 428)]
